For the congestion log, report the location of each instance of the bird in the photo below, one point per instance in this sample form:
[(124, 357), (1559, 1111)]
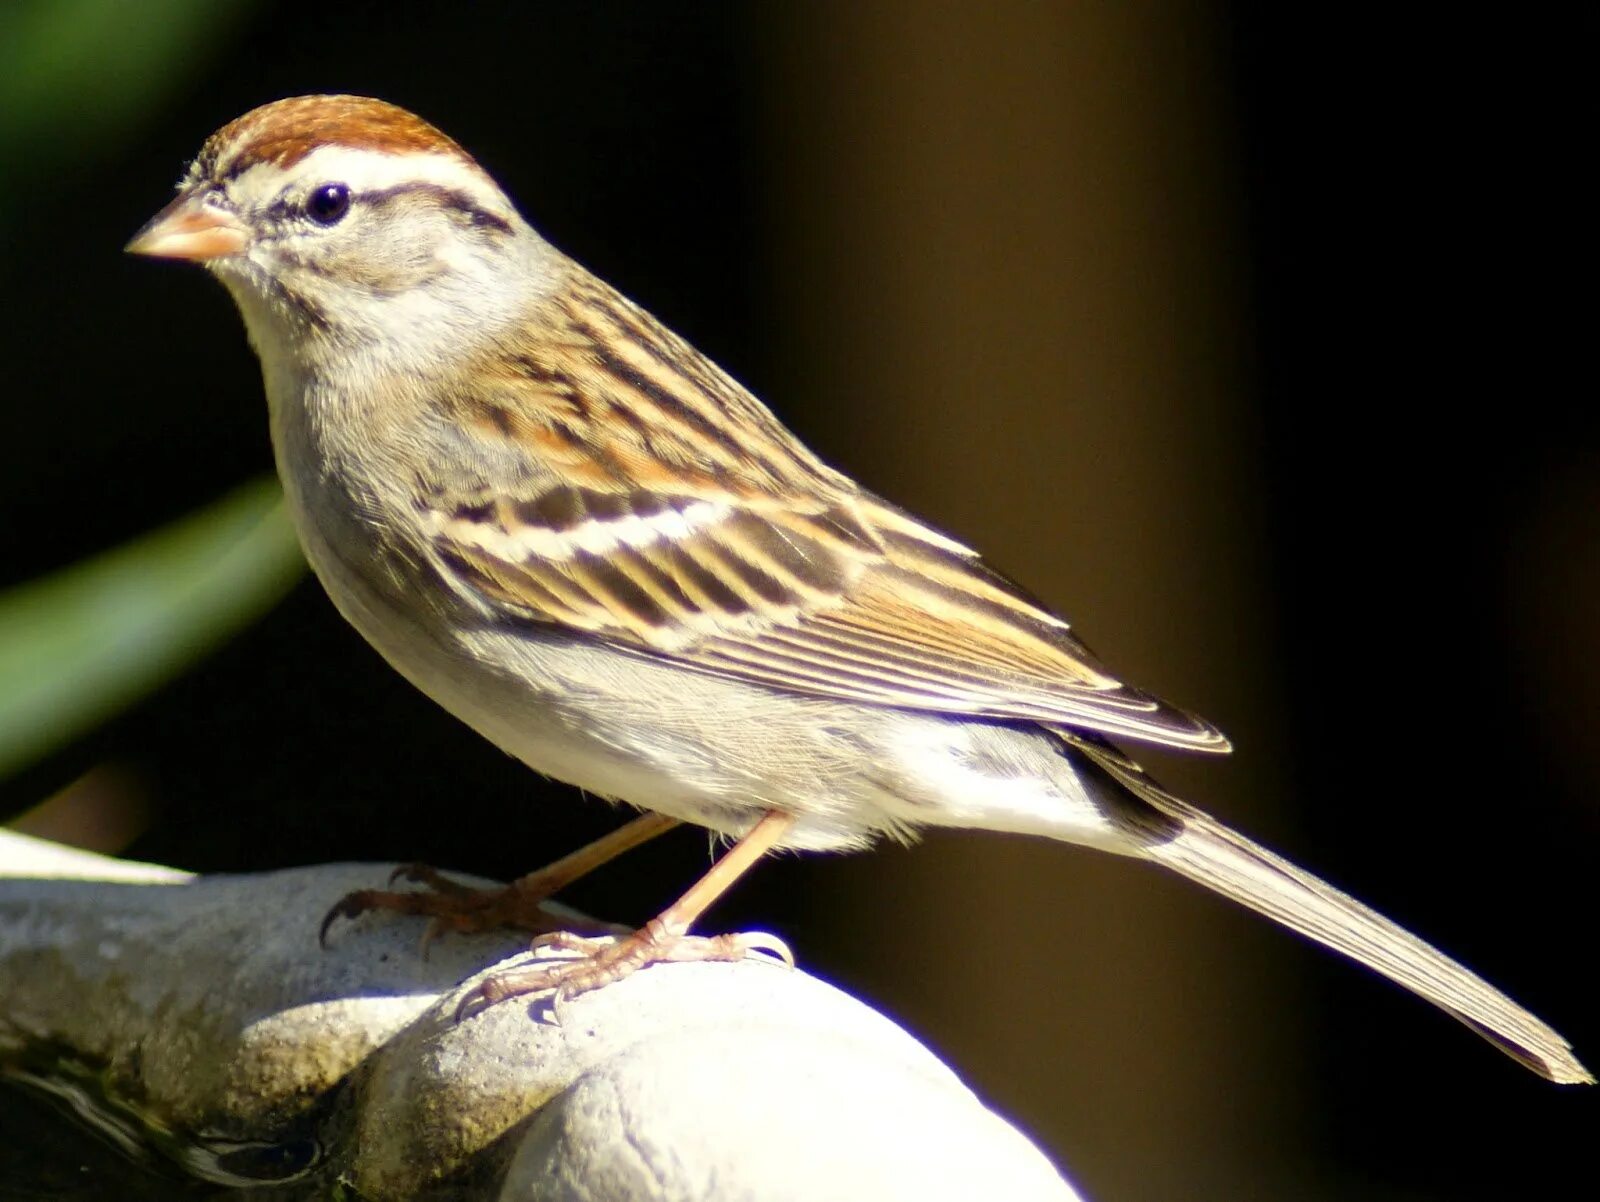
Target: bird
[(580, 536)]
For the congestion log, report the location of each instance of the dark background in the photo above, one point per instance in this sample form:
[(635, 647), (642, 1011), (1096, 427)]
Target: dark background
[(1252, 336)]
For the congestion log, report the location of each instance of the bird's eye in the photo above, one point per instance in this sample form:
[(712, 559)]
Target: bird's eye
[(328, 203)]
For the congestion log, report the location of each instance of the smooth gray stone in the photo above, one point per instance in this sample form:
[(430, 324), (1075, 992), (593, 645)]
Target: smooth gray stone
[(210, 1001)]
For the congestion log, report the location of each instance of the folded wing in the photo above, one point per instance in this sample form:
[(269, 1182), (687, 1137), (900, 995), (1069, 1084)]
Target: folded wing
[(843, 597)]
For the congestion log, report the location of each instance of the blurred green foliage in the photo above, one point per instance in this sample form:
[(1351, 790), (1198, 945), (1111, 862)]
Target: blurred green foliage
[(73, 72), (78, 646)]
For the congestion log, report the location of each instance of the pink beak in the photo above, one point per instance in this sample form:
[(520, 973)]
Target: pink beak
[(189, 228)]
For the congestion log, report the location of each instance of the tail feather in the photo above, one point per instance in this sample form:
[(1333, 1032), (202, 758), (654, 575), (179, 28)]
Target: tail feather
[(1197, 846), (1209, 853)]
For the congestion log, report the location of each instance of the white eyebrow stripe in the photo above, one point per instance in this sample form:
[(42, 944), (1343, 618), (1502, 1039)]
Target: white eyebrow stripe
[(596, 536), (374, 171)]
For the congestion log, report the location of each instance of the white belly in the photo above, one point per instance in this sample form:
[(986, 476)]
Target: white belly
[(701, 748)]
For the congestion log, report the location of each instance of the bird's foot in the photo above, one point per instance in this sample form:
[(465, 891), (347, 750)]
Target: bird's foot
[(451, 906), (597, 962)]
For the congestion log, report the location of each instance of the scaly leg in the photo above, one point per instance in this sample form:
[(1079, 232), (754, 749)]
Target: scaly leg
[(664, 939), (456, 907)]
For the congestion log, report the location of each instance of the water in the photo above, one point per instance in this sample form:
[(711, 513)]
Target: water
[(64, 1138)]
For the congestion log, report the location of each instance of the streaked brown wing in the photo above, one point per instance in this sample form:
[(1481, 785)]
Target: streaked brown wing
[(663, 572), (647, 499), (851, 600)]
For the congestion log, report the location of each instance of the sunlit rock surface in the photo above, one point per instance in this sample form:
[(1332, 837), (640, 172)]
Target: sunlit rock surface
[(209, 1005)]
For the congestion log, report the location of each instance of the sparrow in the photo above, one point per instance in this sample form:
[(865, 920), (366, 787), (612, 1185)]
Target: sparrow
[(587, 541)]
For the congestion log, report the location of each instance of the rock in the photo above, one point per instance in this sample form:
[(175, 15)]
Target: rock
[(211, 1005)]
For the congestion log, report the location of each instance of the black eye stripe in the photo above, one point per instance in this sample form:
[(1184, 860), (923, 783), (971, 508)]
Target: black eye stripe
[(290, 208), (448, 198)]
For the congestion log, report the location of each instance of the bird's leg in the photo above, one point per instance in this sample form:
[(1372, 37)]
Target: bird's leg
[(453, 906), (664, 939)]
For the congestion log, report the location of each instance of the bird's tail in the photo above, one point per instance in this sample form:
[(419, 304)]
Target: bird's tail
[(1182, 838)]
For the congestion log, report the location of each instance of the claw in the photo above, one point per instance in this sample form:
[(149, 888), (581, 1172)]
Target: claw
[(402, 872), (571, 965), (435, 928), (349, 906), (436, 881), (472, 1003), (761, 945)]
